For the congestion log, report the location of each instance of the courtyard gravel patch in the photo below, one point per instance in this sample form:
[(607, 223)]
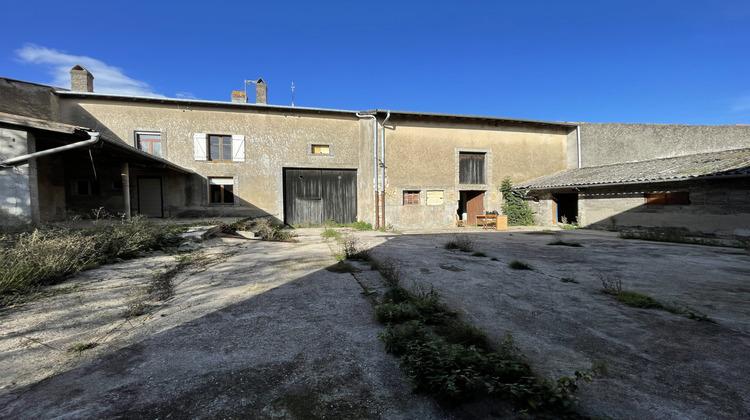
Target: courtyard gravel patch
[(262, 330)]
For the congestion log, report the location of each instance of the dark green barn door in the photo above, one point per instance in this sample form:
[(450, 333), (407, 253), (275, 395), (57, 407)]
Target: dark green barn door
[(312, 196)]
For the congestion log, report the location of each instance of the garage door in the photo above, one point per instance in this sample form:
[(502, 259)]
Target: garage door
[(312, 196)]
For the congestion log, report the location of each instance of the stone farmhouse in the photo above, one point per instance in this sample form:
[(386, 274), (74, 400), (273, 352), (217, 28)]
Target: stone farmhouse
[(66, 152)]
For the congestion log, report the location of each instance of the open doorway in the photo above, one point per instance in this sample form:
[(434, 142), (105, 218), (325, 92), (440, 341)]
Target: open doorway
[(566, 208), (471, 203)]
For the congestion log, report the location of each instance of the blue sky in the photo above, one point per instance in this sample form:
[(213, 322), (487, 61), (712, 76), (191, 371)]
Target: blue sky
[(682, 62)]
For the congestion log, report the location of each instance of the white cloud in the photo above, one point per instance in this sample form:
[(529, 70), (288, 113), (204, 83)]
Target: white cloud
[(107, 79), (185, 95)]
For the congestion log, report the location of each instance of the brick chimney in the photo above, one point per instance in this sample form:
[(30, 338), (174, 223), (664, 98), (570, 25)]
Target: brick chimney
[(81, 80), (239, 97), (261, 92)]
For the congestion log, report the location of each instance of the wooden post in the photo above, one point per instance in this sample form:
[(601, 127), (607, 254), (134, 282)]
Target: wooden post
[(125, 173)]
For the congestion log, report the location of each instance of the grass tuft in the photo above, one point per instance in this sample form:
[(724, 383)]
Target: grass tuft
[(461, 242), (519, 265), (81, 347)]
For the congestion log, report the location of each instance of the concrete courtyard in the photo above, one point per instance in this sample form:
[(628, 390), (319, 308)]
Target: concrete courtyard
[(262, 330)]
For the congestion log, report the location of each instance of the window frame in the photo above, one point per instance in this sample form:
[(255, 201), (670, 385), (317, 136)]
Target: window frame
[(93, 189), (408, 197), (667, 198), (222, 145), (221, 182), (138, 140), (466, 154)]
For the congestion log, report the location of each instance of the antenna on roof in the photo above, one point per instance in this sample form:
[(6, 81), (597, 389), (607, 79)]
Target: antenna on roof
[(247, 82), (292, 93)]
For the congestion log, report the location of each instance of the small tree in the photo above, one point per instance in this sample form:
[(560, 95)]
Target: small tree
[(514, 206)]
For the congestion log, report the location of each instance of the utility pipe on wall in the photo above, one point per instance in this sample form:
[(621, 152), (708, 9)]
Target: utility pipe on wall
[(94, 139), (375, 160), (578, 144), (382, 152)]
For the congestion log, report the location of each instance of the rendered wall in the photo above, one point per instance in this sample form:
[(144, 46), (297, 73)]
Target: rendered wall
[(28, 99), (273, 140), (717, 207), (424, 157), (604, 144)]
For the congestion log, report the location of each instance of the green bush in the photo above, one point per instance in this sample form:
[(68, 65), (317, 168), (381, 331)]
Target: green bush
[(514, 206)]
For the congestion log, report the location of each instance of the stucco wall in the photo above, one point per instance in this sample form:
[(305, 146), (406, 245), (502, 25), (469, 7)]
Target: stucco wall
[(424, 156), (273, 140), (604, 144), (717, 207), (28, 99)]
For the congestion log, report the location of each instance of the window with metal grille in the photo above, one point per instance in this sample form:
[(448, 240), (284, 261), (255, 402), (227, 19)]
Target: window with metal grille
[(470, 168), (668, 198), (411, 198)]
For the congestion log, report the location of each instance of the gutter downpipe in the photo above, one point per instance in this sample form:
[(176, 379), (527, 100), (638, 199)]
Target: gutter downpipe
[(382, 151), (93, 140), (578, 144), (375, 161)]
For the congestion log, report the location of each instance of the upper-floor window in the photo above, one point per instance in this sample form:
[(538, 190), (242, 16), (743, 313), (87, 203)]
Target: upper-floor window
[(470, 168), (219, 148), (149, 143)]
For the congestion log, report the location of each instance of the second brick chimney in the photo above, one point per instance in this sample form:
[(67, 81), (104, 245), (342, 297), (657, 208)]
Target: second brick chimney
[(261, 92), (81, 80)]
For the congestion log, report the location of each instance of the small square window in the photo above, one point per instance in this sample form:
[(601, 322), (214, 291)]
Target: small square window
[(411, 198), (219, 148), (320, 149), (149, 143), (221, 190)]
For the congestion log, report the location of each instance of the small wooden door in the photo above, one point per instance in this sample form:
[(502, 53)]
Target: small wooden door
[(150, 197), (474, 205)]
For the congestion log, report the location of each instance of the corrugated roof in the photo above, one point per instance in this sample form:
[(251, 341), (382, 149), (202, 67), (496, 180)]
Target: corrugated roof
[(716, 164)]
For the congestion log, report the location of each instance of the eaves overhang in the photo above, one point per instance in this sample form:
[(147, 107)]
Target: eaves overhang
[(203, 103)]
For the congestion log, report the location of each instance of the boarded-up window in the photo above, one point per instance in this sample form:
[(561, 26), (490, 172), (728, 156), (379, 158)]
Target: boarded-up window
[(411, 198), (320, 149), (668, 198), (434, 198), (471, 168)]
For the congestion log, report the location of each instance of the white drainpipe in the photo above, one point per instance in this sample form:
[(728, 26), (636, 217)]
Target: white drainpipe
[(578, 143), (382, 152), (375, 159), (94, 139)]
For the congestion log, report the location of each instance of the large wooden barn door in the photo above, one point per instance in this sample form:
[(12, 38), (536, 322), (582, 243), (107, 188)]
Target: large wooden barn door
[(312, 196)]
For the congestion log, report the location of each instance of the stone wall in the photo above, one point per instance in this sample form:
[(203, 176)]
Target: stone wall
[(716, 207), (604, 144)]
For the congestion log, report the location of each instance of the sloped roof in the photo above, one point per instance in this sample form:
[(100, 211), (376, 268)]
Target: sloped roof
[(728, 163)]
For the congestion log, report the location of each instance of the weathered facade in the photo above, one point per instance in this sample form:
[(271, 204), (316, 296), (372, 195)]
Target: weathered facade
[(189, 158)]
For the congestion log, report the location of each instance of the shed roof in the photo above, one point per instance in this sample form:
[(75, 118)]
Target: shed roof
[(728, 163)]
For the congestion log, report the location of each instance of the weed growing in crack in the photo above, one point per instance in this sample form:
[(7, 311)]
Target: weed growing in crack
[(81, 347), (461, 242), (519, 265), (568, 280)]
